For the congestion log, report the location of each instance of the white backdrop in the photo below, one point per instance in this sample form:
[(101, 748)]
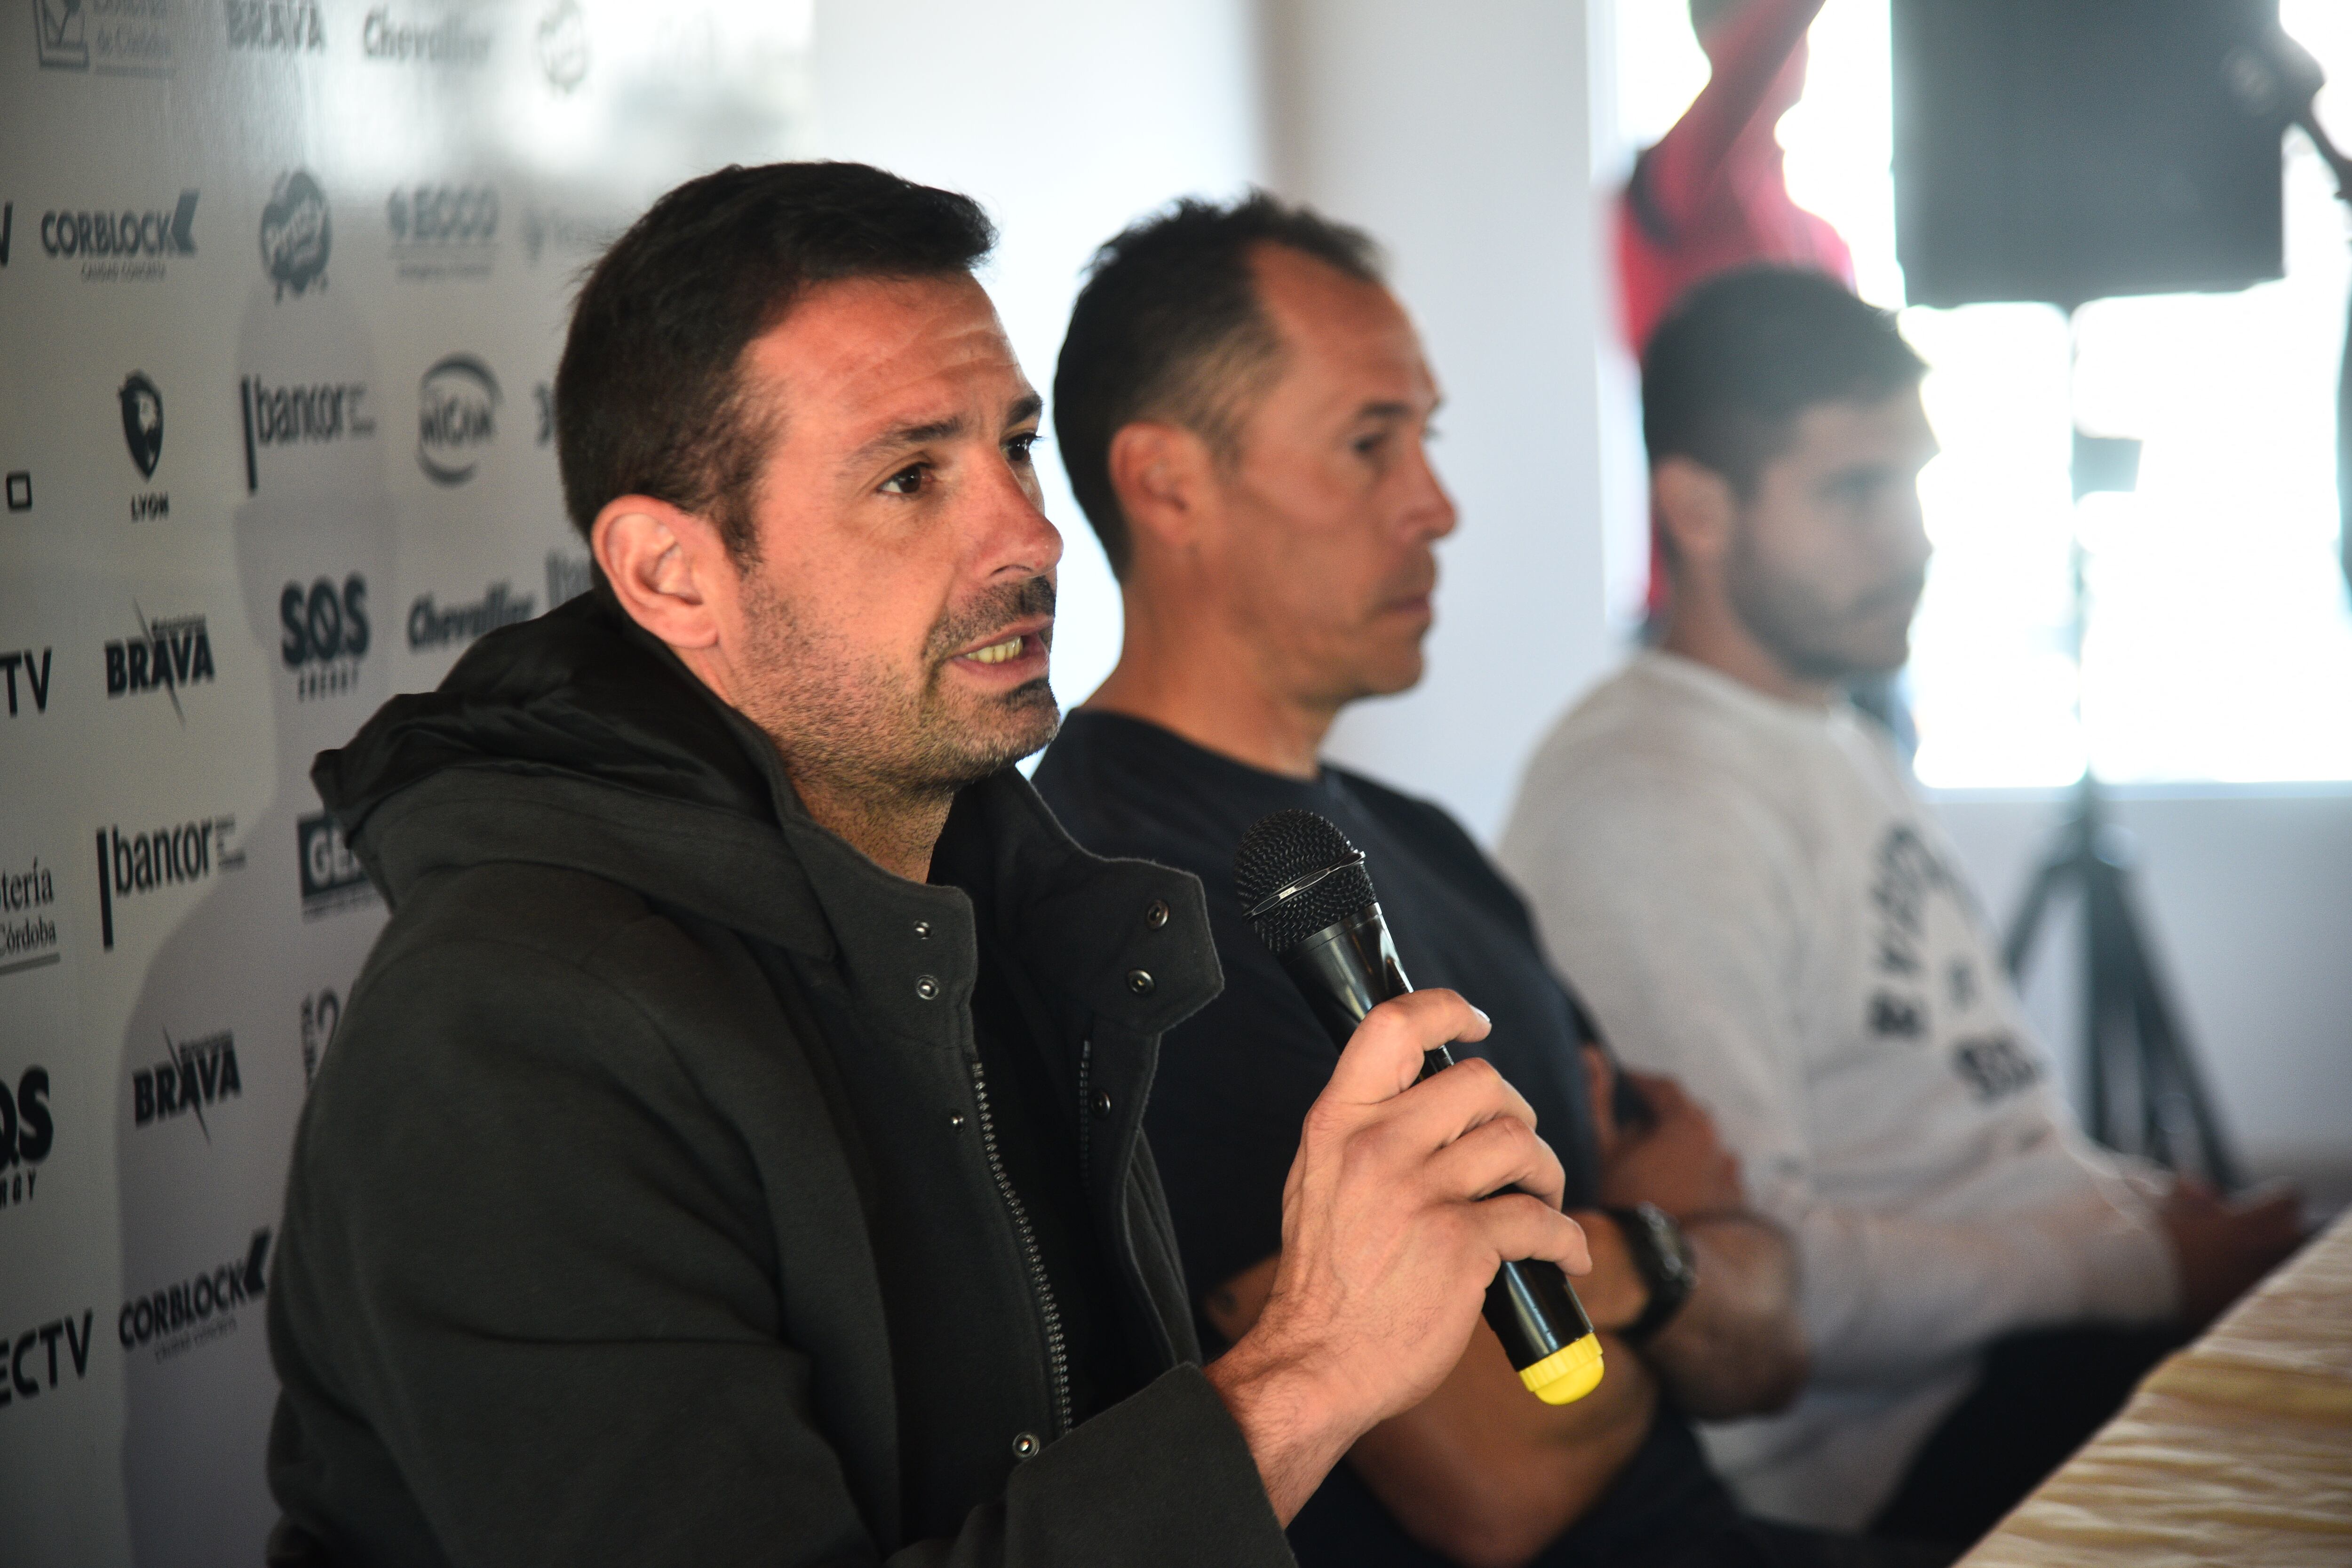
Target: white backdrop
[(282, 287)]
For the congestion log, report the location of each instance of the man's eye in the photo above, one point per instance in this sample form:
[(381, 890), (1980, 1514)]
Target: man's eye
[(1020, 448), (907, 480), (1370, 446)]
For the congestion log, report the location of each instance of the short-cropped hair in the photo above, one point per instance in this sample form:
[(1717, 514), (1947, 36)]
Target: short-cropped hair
[(1742, 355), (649, 397), (1169, 326)]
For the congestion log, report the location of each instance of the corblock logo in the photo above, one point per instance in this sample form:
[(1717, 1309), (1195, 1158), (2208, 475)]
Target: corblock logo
[(325, 633), (457, 417), (322, 1013), (333, 878), (165, 656), (25, 1351), (442, 231), (290, 26), (28, 936), (27, 1132), (316, 415), (447, 42), (194, 1312), (434, 625), (36, 677), (113, 37), (134, 865), (296, 234), (192, 1075), (142, 422), (121, 244), (564, 46)]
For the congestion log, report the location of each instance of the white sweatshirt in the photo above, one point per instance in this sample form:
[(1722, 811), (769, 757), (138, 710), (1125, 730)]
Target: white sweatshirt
[(1750, 896)]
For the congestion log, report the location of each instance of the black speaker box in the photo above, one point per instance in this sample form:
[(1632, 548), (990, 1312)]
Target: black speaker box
[(2073, 149)]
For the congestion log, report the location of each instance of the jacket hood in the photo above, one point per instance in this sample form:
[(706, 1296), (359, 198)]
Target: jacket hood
[(577, 739)]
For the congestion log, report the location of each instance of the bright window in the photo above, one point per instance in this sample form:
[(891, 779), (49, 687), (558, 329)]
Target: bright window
[(2220, 637)]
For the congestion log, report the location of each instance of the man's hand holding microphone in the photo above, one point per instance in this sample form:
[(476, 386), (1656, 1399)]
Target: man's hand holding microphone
[(1390, 1238)]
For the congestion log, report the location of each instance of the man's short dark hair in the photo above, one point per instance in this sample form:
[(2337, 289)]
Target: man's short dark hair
[(1169, 326), (649, 398), (1742, 355)]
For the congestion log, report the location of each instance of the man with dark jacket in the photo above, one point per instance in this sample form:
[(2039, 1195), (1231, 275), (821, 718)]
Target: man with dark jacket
[(731, 1152)]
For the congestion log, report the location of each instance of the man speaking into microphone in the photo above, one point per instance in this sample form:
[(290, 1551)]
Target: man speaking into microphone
[(731, 1152)]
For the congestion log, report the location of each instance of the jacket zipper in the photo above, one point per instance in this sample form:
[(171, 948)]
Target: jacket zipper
[(1057, 1351), (1086, 1116)]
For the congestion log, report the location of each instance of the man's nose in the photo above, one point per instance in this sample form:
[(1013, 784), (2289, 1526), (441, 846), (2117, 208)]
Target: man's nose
[(1430, 513), (1016, 534)]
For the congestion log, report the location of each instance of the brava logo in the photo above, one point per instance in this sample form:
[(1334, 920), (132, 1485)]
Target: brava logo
[(333, 878), (143, 863), (290, 26), (164, 656), (326, 634), (456, 416), (314, 415), (192, 1075), (27, 1135), (296, 233), (197, 1311), (28, 938)]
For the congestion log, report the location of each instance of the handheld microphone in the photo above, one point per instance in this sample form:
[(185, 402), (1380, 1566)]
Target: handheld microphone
[(1310, 900)]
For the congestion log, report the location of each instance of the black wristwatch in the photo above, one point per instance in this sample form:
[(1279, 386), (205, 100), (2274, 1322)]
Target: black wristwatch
[(1662, 1256)]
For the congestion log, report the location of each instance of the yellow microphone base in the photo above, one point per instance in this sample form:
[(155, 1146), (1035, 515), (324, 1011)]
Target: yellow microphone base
[(1568, 1374)]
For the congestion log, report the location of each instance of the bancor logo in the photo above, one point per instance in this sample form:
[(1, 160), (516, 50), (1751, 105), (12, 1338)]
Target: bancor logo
[(456, 416)]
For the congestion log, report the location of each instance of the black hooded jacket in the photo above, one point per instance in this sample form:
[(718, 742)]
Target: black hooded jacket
[(646, 1207)]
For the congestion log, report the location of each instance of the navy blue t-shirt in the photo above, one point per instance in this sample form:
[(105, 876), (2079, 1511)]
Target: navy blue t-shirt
[(1234, 1080)]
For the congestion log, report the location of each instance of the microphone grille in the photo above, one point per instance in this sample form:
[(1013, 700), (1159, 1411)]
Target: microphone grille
[(1288, 847)]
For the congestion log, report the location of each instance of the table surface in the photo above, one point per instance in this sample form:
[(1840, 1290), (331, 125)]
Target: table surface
[(2237, 1449)]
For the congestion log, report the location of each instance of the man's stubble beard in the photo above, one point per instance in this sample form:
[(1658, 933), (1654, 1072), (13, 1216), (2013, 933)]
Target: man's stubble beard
[(863, 727), (1799, 628)]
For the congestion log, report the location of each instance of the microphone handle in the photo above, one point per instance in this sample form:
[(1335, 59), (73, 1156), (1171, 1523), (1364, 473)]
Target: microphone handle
[(1346, 969)]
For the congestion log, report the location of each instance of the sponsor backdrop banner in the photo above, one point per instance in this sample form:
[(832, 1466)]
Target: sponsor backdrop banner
[(282, 287)]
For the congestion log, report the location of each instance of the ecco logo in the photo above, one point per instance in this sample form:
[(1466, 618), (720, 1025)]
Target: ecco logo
[(296, 234), (288, 25), (443, 214), (316, 415), (156, 231), (333, 877), (163, 858), (325, 635), (37, 677), (28, 938), (430, 625), (165, 656), (457, 417), (184, 1315), (195, 1074), (26, 1133), (24, 1350)]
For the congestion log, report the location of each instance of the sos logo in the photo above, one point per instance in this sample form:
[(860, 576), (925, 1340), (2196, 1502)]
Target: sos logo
[(325, 635)]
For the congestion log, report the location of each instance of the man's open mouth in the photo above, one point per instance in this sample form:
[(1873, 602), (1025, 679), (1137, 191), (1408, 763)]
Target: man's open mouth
[(998, 652)]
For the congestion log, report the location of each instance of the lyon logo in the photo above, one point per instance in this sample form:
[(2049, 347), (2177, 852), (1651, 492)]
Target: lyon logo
[(142, 422)]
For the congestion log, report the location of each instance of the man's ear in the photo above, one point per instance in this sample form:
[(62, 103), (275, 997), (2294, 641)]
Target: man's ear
[(668, 568), (1162, 475), (1696, 508)]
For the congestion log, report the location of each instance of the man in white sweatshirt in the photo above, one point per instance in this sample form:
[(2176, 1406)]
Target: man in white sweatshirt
[(1737, 868)]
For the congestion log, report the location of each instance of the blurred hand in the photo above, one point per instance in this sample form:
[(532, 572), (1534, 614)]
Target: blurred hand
[(1387, 1247), (2223, 1247), (1677, 1162)]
